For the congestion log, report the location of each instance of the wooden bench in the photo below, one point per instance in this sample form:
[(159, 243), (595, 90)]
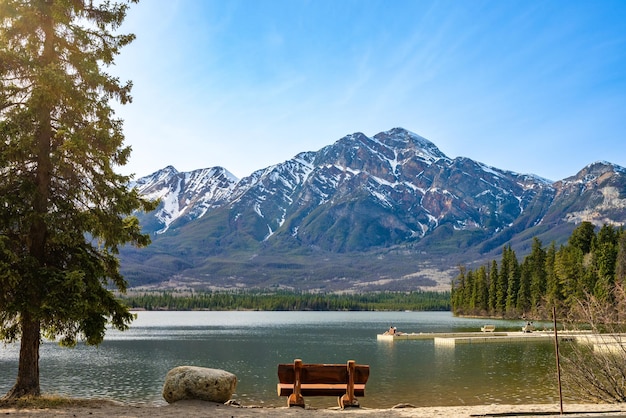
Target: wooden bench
[(298, 380)]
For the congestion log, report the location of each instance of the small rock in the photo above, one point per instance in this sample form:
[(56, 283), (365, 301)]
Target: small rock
[(403, 405), (190, 382)]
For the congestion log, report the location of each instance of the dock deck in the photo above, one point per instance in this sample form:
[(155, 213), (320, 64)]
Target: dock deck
[(454, 338)]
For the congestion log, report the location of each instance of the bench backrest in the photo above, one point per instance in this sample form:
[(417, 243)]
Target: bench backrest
[(323, 373)]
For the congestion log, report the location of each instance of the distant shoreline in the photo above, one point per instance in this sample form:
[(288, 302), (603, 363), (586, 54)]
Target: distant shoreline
[(272, 300)]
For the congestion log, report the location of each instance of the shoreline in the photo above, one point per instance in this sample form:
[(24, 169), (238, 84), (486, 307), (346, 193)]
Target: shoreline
[(106, 409)]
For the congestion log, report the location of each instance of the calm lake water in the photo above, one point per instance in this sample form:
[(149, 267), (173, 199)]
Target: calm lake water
[(131, 366)]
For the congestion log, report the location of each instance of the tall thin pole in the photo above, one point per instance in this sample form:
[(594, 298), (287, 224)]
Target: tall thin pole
[(558, 362)]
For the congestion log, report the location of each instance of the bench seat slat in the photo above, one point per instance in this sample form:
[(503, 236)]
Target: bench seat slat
[(320, 389), (323, 373)]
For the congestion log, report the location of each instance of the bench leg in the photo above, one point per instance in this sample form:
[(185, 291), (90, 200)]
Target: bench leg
[(346, 402), (296, 399), (349, 400)]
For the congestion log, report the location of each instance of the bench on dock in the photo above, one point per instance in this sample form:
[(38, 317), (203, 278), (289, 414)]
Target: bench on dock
[(488, 328), (345, 381)]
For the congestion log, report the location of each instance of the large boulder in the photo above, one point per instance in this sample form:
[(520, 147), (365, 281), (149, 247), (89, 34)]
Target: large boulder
[(189, 382)]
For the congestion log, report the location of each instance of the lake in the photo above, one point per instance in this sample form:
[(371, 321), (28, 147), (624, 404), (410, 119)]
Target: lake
[(131, 366)]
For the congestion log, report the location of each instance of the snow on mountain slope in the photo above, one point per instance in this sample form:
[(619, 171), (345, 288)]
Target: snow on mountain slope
[(185, 195), (413, 188), (401, 172)]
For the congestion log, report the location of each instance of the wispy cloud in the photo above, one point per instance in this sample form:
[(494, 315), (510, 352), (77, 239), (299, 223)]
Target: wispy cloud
[(213, 78)]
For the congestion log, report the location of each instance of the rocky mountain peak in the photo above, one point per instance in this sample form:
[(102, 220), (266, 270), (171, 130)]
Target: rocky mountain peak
[(163, 174), (596, 173), (403, 141), (599, 170), (183, 196)]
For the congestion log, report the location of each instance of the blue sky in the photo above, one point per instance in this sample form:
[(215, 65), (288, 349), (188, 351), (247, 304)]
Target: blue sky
[(529, 86)]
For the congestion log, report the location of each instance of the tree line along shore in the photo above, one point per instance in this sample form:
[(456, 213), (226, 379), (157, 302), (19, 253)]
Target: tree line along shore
[(290, 301), (591, 265)]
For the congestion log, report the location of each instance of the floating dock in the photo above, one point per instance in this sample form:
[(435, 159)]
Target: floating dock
[(433, 335), (510, 337), (454, 338)]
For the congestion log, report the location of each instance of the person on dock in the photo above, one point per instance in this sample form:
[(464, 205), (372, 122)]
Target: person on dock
[(392, 330)]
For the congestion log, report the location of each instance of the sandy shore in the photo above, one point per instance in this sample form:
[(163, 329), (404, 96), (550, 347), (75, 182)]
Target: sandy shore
[(207, 409)]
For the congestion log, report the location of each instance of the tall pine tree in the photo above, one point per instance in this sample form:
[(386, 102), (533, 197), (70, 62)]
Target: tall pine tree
[(568, 267), (554, 293), (510, 260), (536, 264), (482, 291), (502, 285), (64, 211), (523, 295), (604, 250), (493, 285), (620, 263)]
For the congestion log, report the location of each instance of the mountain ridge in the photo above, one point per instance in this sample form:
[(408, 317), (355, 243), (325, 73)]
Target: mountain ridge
[(319, 220)]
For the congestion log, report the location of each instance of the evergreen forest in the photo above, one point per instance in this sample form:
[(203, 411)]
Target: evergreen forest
[(290, 301), (592, 263)]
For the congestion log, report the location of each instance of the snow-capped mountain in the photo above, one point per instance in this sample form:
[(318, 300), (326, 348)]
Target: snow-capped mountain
[(358, 199), (183, 196)]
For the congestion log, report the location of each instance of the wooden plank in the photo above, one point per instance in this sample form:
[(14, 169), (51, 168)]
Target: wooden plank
[(323, 373), (320, 389)]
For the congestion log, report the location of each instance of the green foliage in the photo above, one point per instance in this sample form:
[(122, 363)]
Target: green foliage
[(64, 211), (536, 270), (582, 237), (589, 264), (620, 263), (290, 301)]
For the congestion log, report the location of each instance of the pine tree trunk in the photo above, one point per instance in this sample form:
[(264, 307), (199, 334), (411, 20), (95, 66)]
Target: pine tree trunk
[(27, 383)]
